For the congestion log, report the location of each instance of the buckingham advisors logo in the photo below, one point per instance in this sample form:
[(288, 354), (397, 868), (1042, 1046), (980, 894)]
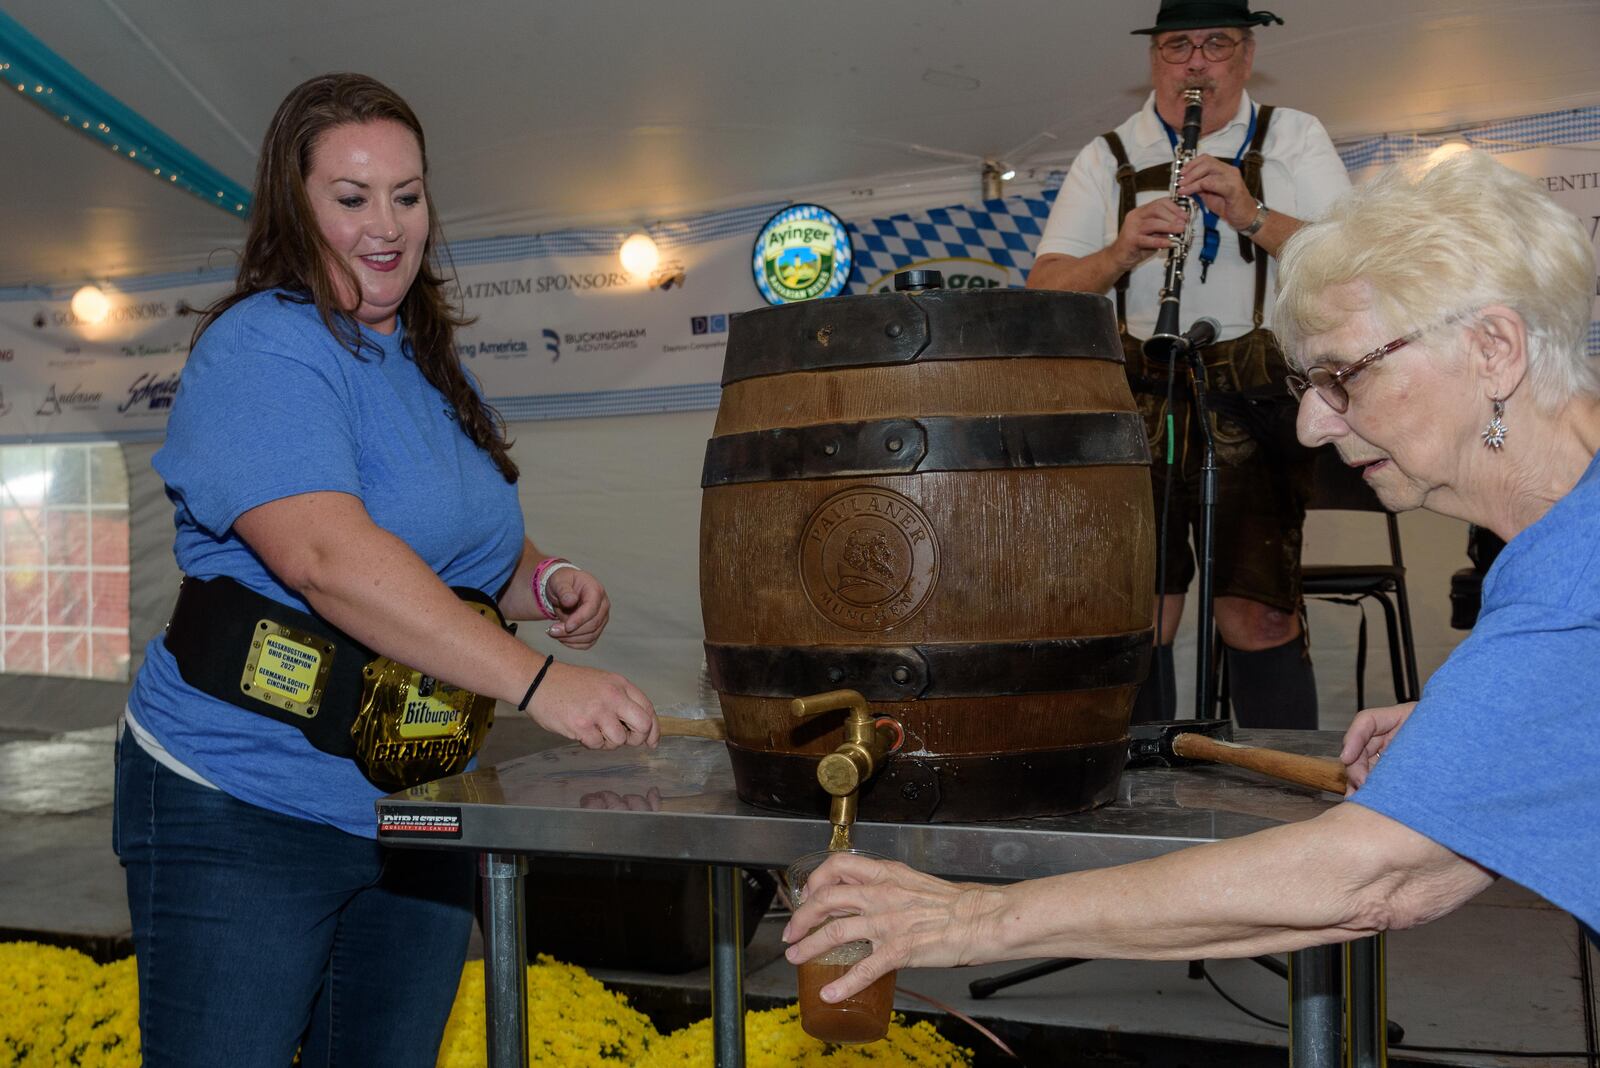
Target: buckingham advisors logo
[(868, 559), (603, 340), (150, 393), (4, 405), (77, 399), (552, 343)]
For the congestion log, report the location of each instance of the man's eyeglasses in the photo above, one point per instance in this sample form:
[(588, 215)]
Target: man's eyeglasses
[(1217, 47), (1330, 385)]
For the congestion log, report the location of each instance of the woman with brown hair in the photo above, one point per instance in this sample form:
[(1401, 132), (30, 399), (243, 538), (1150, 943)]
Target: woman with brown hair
[(350, 535)]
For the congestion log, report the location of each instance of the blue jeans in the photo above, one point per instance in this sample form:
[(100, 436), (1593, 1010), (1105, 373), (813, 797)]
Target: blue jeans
[(259, 933)]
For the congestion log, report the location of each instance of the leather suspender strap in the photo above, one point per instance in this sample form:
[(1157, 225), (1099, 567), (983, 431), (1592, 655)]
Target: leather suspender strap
[(1128, 198), (1250, 170), (1130, 182)]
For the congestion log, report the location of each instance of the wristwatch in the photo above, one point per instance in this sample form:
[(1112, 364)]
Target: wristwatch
[(1258, 222)]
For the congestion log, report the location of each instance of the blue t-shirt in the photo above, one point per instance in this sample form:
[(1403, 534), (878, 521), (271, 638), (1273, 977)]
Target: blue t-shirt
[(271, 405), (1498, 760)]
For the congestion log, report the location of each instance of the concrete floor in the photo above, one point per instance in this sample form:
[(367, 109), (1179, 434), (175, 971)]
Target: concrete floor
[(1499, 974)]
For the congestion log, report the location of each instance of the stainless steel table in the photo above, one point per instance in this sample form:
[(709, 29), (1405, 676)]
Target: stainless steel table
[(677, 803)]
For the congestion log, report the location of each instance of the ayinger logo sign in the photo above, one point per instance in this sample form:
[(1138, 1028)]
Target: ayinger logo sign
[(803, 252)]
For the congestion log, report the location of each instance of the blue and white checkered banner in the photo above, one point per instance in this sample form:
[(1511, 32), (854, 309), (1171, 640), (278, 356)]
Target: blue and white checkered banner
[(983, 247)]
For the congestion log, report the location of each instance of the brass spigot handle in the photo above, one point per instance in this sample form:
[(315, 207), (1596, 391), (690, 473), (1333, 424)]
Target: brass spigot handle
[(817, 703)]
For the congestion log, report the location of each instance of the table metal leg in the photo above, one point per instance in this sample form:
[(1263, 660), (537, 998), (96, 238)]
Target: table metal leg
[(1315, 1019), (505, 959), (1366, 1003), (727, 965)]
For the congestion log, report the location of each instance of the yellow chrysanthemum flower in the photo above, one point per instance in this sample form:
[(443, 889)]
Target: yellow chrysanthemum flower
[(65, 1010)]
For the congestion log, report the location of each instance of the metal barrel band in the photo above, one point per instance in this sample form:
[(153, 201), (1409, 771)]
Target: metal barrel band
[(930, 443), (931, 671), (880, 329)]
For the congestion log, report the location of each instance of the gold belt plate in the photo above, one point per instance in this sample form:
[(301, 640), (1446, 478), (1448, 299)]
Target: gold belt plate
[(412, 728), (287, 668)]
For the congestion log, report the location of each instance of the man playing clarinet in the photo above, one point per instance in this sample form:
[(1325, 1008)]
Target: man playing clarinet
[(1259, 174)]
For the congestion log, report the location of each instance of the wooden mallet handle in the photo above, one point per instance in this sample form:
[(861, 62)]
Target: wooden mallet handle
[(1319, 773), (676, 727)]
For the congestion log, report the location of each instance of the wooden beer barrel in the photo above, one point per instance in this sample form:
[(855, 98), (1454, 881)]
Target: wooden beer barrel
[(940, 499)]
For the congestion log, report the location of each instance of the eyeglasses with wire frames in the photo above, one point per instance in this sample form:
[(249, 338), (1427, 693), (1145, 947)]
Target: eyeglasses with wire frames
[(1330, 385), (1217, 47)]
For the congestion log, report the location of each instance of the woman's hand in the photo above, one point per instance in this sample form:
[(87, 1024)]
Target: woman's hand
[(1369, 735), (910, 918), (600, 709), (582, 608)]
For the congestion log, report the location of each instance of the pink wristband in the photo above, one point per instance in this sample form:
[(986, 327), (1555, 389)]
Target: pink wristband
[(540, 573)]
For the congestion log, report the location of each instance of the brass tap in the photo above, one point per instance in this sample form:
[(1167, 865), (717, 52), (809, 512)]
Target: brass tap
[(867, 740)]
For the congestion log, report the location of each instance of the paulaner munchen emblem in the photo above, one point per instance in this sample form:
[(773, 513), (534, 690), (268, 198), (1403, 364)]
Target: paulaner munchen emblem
[(868, 559)]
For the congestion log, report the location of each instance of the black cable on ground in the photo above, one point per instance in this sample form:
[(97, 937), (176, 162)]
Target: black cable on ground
[(1206, 974)]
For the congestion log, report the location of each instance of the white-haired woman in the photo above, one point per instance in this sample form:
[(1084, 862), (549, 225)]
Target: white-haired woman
[(1438, 317)]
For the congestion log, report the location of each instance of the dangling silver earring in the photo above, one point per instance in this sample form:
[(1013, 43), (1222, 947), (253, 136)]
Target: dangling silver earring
[(1494, 435)]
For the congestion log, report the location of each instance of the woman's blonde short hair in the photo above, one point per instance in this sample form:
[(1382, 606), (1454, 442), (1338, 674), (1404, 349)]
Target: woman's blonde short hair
[(1436, 240)]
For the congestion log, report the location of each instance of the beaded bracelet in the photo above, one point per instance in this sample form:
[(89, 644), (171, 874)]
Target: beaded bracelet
[(522, 706)]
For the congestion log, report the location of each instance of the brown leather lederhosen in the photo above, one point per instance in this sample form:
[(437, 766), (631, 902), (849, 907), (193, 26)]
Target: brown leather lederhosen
[(1252, 418)]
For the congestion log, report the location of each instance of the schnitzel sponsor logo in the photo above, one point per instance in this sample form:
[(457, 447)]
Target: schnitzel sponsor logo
[(150, 393)]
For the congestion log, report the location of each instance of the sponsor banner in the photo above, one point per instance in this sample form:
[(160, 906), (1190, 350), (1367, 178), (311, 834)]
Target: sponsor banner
[(65, 379), (1571, 174), (561, 331), (1560, 150), (565, 329)]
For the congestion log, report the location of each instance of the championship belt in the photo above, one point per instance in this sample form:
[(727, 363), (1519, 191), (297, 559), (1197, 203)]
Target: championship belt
[(401, 727), (412, 728)]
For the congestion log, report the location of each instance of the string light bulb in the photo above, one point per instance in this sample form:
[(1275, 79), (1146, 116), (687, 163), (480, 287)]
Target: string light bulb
[(90, 305), (639, 255)]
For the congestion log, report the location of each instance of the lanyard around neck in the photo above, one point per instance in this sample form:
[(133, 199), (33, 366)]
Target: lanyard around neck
[(1213, 238)]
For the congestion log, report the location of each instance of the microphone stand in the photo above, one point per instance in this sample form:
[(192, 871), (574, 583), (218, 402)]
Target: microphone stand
[(1206, 670)]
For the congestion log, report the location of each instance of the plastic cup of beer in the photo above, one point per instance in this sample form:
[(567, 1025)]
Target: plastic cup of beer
[(862, 1017)]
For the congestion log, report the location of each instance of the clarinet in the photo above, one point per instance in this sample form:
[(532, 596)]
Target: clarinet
[(1167, 340)]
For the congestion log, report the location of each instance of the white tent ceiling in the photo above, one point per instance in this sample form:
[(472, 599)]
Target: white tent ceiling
[(618, 112)]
